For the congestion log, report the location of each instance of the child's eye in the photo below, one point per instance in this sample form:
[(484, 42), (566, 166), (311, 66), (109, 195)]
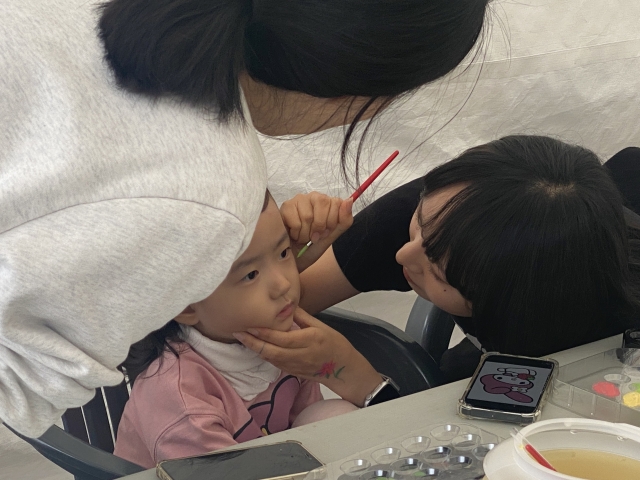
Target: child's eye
[(285, 253), (250, 276)]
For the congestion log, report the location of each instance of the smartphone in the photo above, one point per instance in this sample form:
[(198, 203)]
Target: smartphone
[(285, 460), (508, 388)]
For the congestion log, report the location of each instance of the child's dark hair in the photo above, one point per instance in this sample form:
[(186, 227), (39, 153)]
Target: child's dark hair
[(166, 339), (196, 49), (144, 352), (537, 241)]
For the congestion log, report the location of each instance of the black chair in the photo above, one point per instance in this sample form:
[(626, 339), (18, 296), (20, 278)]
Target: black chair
[(430, 327), (85, 447), (390, 351)]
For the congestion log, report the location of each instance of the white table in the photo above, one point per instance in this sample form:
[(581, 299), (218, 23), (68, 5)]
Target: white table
[(336, 438)]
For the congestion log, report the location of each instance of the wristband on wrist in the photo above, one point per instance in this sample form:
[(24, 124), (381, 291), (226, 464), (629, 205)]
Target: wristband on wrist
[(385, 391)]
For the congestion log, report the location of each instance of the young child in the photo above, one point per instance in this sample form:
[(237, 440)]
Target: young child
[(524, 241), (196, 389)]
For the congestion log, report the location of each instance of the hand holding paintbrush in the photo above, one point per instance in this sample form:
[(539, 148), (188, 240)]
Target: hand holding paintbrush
[(315, 216), (359, 191), (320, 218)]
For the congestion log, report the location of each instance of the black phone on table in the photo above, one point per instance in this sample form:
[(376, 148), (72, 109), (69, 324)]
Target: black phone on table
[(284, 460), (508, 388)]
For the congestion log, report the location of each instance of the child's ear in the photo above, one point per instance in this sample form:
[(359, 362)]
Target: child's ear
[(187, 317)]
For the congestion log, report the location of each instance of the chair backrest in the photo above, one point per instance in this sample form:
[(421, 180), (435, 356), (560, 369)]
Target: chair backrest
[(389, 350), (83, 461), (430, 327), (85, 447), (96, 423)]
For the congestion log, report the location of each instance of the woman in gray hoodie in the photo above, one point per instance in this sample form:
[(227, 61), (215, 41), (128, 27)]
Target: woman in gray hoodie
[(131, 176)]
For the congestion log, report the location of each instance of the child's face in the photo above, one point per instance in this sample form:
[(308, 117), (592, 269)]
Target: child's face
[(262, 288), (426, 278)]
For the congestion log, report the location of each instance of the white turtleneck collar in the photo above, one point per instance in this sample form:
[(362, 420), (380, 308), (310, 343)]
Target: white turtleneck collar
[(247, 373)]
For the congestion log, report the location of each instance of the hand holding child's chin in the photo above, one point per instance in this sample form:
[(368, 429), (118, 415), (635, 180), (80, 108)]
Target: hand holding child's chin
[(318, 352), (301, 350)]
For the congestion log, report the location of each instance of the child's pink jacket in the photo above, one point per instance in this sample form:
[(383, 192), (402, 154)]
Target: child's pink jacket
[(188, 408)]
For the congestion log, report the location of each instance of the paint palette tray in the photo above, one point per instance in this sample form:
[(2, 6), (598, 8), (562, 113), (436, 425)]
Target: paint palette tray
[(452, 451), (605, 386)]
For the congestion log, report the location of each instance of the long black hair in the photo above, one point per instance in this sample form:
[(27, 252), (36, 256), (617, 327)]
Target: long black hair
[(537, 241), (196, 49), (144, 352)]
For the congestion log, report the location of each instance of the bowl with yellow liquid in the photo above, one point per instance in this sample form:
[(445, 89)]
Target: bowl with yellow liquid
[(578, 448)]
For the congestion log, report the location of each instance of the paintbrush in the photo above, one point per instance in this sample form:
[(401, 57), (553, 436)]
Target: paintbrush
[(531, 450), (360, 190)]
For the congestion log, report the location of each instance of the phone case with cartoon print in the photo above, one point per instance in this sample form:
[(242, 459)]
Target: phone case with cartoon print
[(508, 388)]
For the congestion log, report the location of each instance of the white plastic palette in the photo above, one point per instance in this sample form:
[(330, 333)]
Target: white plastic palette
[(453, 451), (618, 369)]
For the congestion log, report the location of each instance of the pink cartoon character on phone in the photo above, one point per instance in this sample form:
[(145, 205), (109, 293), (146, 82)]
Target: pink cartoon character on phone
[(511, 381)]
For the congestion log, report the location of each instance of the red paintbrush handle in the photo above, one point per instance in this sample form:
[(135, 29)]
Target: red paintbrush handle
[(373, 176), (537, 457)]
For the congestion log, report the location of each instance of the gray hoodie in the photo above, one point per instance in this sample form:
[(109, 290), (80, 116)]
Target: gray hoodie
[(116, 212)]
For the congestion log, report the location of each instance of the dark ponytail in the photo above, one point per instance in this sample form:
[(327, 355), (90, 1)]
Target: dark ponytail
[(195, 49), (191, 48), (144, 352)]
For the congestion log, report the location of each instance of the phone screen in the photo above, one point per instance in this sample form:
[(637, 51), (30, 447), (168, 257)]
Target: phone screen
[(510, 384), (260, 462)]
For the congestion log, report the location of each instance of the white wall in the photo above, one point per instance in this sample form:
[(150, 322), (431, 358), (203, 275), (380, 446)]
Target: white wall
[(567, 68)]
